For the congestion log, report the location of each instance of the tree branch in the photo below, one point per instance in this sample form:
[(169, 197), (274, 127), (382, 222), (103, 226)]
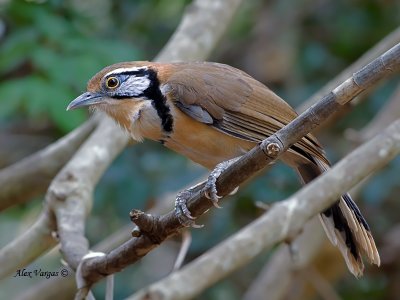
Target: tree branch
[(27, 247), (276, 276), (70, 194), (389, 113), (63, 285), (32, 175), (203, 24), (384, 45), (256, 159), (284, 220)]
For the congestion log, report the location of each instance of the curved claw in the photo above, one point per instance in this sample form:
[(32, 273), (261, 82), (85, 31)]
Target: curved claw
[(182, 212), (216, 205), (181, 208), (213, 197), (210, 187), (194, 225)]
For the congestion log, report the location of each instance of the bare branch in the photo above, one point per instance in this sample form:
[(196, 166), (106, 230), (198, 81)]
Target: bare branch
[(256, 159), (60, 288), (63, 285), (321, 285), (27, 247), (389, 113), (384, 45), (282, 221), (38, 238), (70, 194), (201, 28), (32, 175), (277, 274)]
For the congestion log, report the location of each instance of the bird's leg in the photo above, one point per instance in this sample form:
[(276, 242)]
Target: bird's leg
[(210, 187), (181, 210)]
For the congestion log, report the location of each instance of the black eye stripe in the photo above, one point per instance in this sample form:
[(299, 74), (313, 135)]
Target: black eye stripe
[(138, 73)]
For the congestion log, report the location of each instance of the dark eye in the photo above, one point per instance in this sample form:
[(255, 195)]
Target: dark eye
[(112, 82)]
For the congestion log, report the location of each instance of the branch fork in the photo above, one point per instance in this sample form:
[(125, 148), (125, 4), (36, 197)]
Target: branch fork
[(147, 224)]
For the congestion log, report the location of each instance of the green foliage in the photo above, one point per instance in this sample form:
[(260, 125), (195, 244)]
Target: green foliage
[(46, 59)]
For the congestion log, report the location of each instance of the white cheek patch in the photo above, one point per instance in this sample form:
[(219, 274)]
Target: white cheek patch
[(134, 86), (135, 81)]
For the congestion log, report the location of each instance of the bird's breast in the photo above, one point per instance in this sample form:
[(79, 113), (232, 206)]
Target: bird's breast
[(197, 141), (144, 122)]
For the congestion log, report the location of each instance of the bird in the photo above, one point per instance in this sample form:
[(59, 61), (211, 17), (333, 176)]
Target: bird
[(213, 113)]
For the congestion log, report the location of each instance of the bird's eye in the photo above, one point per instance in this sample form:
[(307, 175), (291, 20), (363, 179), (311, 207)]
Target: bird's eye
[(112, 82)]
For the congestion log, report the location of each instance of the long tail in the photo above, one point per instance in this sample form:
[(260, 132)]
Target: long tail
[(344, 224)]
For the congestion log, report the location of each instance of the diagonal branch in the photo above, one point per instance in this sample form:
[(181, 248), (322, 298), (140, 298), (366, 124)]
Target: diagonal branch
[(32, 243), (32, 175), (390, 112), (160, 228), (283, 221), (64, 285), (384, 45), (279, 273)]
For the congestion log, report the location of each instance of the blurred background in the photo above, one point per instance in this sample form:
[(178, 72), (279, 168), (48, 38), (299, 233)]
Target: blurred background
[(50, 49)]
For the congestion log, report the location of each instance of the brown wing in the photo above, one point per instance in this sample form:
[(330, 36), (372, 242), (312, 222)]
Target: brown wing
[(233, 102)]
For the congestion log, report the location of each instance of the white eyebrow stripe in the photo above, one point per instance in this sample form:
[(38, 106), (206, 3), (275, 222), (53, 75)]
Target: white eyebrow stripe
[(125, 70)]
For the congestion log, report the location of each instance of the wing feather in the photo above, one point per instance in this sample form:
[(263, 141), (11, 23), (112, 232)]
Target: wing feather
[(238, 104)]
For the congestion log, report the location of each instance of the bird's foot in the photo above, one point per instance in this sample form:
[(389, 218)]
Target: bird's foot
[(181, 210), (210, 186)]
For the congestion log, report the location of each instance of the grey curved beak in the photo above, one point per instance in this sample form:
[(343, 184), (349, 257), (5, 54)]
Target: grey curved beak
[(86, 99)]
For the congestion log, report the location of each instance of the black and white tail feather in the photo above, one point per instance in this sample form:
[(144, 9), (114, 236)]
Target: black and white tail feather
[(344, 224)]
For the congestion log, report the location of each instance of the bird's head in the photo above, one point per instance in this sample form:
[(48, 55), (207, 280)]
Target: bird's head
[(117, 84)]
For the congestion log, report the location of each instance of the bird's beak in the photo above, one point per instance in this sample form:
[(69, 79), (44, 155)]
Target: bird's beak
[(86, 99)]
